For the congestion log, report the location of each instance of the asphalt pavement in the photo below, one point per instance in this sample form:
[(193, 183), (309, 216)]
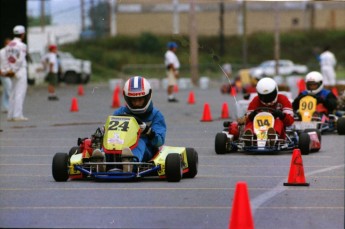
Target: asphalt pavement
[(30, 198)]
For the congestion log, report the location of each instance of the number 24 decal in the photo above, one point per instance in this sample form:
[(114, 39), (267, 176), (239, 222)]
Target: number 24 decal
[(117, 125)]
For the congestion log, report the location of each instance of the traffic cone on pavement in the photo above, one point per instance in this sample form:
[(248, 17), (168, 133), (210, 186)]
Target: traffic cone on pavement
[(116, 99), (191, 99), (74, 105), (175, 88), (233, 91), (80, 90), (206, 116), (241, 215), (296, 174), (225, 111)]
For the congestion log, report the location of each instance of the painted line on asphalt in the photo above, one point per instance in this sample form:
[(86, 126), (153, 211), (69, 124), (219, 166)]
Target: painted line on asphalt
[(161, 207), (279, 188)]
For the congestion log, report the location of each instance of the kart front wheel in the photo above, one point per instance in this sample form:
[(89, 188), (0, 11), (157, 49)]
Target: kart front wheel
[(304, 143), (60, 167), (74, 150), (173, 167), (193, 161), (341, 126), (220, 143)]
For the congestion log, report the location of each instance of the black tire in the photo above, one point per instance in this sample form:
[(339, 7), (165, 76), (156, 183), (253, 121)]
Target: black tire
[(71, 78), (193, 161), (87, 79), (173, 167), (303, 143), (74, 150), (341, 126), (60, 167), (220, 143)]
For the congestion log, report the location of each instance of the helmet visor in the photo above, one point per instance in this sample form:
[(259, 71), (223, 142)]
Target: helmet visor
[(268, 98), (312, 85)]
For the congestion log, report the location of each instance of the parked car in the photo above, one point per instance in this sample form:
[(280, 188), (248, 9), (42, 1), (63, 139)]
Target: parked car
[(36, 73), (286, 67), (73, 70)]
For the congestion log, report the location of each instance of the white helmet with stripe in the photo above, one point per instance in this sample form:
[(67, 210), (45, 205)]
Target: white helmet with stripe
[(137, 87)]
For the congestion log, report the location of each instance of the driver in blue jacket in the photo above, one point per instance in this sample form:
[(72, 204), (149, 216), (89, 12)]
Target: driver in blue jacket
[(138, 96)]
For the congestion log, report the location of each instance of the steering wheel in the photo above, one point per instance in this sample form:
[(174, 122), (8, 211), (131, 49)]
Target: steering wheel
[(268, 109)]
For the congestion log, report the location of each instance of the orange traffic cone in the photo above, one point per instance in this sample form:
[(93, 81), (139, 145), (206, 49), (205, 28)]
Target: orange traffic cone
[(175, 88), (206, 116), (296, 174), (301, 85), (241, 215), (233, 91), (335, 92), (116, 99), (74, 105), (191, 99), (80, 90), (225, 111), (117, 89)]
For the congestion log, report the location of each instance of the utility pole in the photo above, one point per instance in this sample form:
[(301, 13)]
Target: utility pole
[(276, 38), (176, 19), (244, 35), (193, 37), (112, 17), (43, 20), (82, 13), (221, 28)]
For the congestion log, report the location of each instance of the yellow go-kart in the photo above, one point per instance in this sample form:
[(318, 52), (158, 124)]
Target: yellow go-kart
[(170, 163), (311, 115)]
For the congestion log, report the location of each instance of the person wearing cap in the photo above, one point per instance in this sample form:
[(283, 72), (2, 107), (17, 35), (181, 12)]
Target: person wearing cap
[(16, 68), (50, 62), (5, 80), (328, 63), (172, 65)]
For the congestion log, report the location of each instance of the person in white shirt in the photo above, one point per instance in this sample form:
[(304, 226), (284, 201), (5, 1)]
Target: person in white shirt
[(15, 64), (172, 65), (5, 81), (51, 65), (327, 63)]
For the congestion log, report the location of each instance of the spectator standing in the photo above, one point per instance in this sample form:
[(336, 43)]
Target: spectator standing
[(327, 63), (51, 65), (5, 81), (15, 63), (172, 65)]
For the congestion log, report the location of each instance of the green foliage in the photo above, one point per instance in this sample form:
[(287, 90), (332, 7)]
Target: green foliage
[(36, 21), (111, 57)]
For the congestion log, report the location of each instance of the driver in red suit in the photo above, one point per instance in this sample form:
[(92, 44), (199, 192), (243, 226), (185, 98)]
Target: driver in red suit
[(268, 96)]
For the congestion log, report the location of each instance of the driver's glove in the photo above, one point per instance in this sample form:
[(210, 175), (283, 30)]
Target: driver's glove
[(278, 114), (252, 115), (146, 130), (320, 100)]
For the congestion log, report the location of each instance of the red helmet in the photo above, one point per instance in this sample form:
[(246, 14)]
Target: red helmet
[(52, 47)]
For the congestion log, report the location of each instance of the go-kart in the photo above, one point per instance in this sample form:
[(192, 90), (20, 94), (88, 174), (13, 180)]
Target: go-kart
[(311, 115), (233, 138), (170, 163)]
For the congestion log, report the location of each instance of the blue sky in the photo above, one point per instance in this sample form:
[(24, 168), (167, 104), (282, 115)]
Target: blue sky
[(63, 11)]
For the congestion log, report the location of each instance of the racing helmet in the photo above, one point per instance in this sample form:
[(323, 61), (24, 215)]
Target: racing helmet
[(267, 90), (18, 29), (137, 87), (313, 81)]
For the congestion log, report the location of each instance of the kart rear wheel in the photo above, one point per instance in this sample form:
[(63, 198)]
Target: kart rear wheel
[(173, 167), (60, 167), (341, 126), (193, 161), (304, 143), (220, 143), (74, 150)]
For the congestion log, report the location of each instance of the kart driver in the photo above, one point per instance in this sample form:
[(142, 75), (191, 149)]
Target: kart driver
[(268, 96), (326, 100), (138, 96)]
